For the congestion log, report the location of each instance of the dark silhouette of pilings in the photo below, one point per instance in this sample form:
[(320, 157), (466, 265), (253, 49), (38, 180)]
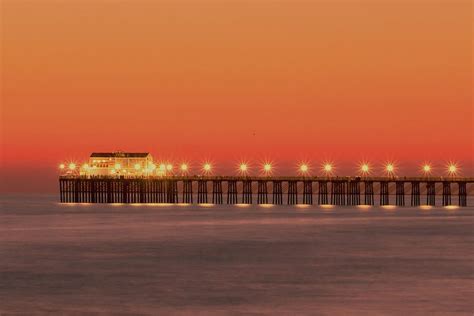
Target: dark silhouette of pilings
[(338, 192), (384, 193), (307, 192), (202, 192), (161, 191), (415, 193), (446, 193), (172, 190), (400, 193), (292, 192), (232, 192), (217, 192), (262, 192), (368, 192), (462, 194), (353, 193), (430, 193), (323, 192), (247, 192), (187, 191), (277, 192), (166, 190)]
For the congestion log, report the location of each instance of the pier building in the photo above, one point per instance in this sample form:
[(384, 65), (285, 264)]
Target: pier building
[(118, 164)]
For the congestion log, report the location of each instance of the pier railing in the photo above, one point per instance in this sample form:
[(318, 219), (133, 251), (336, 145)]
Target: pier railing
[(399, 191)]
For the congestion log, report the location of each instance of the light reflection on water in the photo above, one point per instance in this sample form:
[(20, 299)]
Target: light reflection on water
[(425, 207)]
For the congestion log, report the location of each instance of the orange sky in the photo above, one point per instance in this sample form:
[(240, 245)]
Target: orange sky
[(226, 80)]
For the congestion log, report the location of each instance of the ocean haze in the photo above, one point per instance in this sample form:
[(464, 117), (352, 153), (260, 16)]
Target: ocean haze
[(84, 259)]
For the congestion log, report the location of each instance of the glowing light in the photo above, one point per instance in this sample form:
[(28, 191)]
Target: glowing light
[(243, 167), (327, 206), (207, 167), (390, 167), (184, 167), (151, 166), (169, 167), (365, 168), (137, 166), (62, 166), (267, 167), (451, 207), (206, 204), (304, 168), (426, 168), (117, 166), (72, 166), (327, 167), (85, 166), (162, 167), (452, 169)]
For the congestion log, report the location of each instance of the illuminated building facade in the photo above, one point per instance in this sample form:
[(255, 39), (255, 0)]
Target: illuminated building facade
[(119, 164)]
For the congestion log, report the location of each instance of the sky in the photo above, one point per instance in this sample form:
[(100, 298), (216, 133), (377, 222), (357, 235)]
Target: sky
[(227, 81)]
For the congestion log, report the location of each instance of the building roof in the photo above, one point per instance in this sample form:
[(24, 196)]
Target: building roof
[(120, 154)]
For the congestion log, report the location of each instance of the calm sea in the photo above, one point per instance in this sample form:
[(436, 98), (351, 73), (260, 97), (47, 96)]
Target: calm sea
[(233, 260)]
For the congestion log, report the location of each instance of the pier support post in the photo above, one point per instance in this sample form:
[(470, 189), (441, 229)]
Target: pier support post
[(153, 191), (93, 191), (262, 192), (217, 191), (400, 193), (384, 194), (292, 192), (323, 192), (338, 192), (125, 190), (109, 191), (462, 194), (415, 193), (172, 196), (430, 193), (187, 191), (446, 193), (277, 192), (161, 191), (232, 192), (247, 192), (61, 190), (353, 193), (76, 190), (141, 191), (202, 191), (368, 192), (307, 192)]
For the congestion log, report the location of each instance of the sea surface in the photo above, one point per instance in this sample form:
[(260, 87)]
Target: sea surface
[(83, 259)]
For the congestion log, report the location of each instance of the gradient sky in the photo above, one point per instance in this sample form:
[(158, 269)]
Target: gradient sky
[(230, 80)]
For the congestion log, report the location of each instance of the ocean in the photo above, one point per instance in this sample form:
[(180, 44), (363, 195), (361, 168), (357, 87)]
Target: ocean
[(84, 259)]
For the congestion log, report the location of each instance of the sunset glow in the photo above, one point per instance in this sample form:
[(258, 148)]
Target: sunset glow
[(191, 80)]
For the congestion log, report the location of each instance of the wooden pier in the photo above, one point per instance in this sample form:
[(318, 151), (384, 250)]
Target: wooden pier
[(247, 190)]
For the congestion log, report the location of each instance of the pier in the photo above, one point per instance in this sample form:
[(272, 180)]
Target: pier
[(268, 190)]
